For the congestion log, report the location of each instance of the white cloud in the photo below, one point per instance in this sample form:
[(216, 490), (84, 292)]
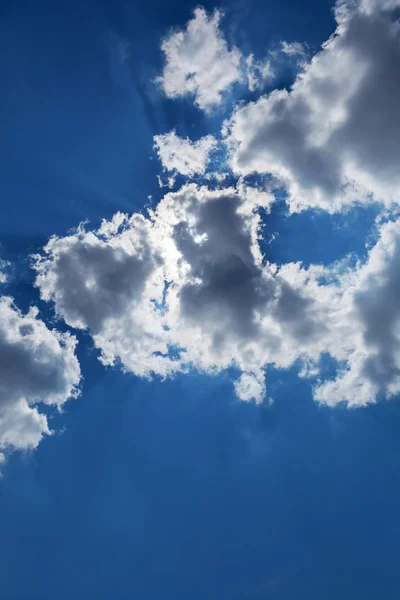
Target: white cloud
[(187, 288), (168, 182), (199, 62), (258, 72), (37, 365), (4, 265), (219, 177), (182, 155), (249, 387), (293, 48), (333, 138), (372, 311)]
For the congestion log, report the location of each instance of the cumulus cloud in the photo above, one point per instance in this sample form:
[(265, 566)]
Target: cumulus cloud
[(248, 387), (372, 311), (199, 62), (37, 365), (186, 286), (332, 139), (111, 282), (183, 156)]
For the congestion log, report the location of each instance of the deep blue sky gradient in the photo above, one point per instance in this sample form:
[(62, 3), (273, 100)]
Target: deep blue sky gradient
[(173, 490)]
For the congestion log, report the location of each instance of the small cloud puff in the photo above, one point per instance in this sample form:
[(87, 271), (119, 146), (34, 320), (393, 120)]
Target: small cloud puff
[(249, 387), (199, 62), (293, 48), (258, 72), (183, 156)]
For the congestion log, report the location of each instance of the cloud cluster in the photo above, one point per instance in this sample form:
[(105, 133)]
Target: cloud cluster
[(37, 365), (199, 62), (332, 139), (184, 288), (187, 287)]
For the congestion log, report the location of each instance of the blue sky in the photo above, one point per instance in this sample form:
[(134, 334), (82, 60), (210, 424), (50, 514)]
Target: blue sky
[(265, 464)]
